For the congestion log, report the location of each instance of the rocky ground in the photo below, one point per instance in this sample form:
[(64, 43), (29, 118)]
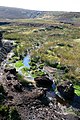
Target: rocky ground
[(5, 47), (30, 101)]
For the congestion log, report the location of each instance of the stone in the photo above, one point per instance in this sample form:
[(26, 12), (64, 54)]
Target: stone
[(66, 90), (43, 82)]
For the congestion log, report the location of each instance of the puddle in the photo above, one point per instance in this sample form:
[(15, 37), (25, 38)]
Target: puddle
[(26, 61)]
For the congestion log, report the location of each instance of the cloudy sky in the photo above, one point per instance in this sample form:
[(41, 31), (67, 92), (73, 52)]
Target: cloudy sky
[(49, 5)]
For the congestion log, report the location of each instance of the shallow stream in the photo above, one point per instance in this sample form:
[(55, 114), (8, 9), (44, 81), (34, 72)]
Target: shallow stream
[(26, 61)]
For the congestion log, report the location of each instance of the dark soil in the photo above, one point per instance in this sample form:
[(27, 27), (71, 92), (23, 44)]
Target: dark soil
[(31, 102)]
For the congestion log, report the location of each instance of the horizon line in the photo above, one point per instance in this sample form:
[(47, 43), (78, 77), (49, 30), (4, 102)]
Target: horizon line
[(39, 10)]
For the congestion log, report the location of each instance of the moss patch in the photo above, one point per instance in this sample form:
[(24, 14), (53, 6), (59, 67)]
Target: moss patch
[(77, 89), (19, 64)]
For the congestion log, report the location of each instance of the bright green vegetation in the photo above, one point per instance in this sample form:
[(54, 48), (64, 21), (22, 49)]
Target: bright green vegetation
[(52, 44), (77, 89), (37, 73), (19, 64), (24, 70)]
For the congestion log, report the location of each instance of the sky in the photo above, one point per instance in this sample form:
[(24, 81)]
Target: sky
[(44, 5)]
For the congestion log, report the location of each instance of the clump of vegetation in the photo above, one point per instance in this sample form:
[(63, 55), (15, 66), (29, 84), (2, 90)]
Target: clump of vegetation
[(41, 66), (37, 73), (63, 67), (13, 114), (4, 111), (48, 45), (25, 71), (19, 64), (35, 59), (8, 113), (77, 89)]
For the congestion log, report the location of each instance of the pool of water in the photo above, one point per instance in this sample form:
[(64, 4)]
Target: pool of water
[(26, 61)]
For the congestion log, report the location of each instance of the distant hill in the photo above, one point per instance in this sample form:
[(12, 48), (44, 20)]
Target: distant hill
[(17, 13)]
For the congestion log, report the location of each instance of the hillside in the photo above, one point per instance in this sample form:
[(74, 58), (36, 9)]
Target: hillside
[(17, 13)]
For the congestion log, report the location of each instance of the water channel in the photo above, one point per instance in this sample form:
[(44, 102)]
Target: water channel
[(26, 61)]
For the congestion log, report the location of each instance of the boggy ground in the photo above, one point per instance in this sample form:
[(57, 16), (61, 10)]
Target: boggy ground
[(30, 101)]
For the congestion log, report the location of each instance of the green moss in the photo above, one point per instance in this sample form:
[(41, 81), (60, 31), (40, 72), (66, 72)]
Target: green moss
[(41, 66), (13, 59), (32, 63), (33, 67), (77, 89), (37, 73), (25, 71), (19, 64)]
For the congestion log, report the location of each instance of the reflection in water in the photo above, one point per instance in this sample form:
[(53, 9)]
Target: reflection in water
[(26, 61)]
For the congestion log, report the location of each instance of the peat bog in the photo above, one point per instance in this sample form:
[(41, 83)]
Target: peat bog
[(36, 53)]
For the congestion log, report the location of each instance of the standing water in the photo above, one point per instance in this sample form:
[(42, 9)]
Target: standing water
[(26, 61)]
